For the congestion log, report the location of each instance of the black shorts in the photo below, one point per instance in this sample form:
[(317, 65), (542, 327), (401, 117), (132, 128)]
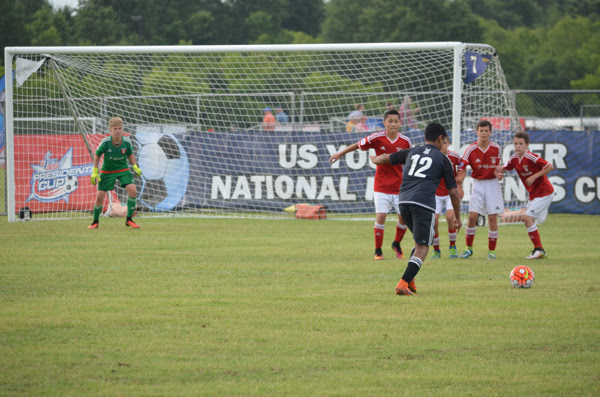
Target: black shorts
[(420, 221)]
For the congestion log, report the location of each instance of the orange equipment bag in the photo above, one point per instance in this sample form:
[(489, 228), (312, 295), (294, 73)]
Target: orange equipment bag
[(304, 211)]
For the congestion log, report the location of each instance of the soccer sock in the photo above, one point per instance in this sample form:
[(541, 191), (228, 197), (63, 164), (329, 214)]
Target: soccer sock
[(436, 242), (452, 237), (130, 206), (492, 237), (412, 268), (378, 235), (470, 234), (534, 235), (97, 211), (400, 230)]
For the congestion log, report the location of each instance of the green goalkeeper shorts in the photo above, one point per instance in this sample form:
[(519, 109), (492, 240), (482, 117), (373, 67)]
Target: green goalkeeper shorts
[(107, 181)]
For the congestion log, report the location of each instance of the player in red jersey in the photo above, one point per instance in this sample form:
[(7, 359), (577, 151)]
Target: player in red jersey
[(442, 201), (387, 177), (532, 170), (486, 198)]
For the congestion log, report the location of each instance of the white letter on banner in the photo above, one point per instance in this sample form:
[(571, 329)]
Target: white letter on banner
[(284, 192), (585, 183), (308, 156), (242, 188), (369, 188), (269, 184), (283, 156), (331, 150), (513, 187), (304, 186), (371, 153), (328, 189), (219, 187), (559, 191), (356, 163), (508, 151), (537, 148), (344, 195), (555, 155), (257, 180)]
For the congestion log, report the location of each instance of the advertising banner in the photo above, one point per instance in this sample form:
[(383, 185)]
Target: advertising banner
[(267, 171)]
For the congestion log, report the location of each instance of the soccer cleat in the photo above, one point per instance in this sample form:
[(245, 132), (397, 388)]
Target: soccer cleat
[(436, 254), (453, 252), (412, 286), (537, 253), (397, 249), (94, 225), (467, 254), (378, 254), (403, 288), (132, 224), (491, 255)]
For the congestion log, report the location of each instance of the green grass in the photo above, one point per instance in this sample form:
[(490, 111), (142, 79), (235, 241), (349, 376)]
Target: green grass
[(287, 307)]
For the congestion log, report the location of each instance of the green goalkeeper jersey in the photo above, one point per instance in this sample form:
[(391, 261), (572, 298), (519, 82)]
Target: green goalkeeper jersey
[(115, 156)]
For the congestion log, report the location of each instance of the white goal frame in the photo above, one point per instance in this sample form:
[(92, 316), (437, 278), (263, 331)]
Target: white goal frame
[(458, 123)]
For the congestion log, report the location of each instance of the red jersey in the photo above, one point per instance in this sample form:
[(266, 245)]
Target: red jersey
[(482, 162), (455, 160), (526, 166), (388, 178)]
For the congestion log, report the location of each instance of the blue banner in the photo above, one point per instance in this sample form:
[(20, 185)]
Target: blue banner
[(576, 174), (268, 171)]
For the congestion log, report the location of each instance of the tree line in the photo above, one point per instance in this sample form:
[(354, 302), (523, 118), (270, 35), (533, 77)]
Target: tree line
[(542, 44)]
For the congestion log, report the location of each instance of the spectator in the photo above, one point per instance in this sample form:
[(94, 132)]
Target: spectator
[(359, 108), (281, 117), (407, 114), (268, 120), (355, 123)]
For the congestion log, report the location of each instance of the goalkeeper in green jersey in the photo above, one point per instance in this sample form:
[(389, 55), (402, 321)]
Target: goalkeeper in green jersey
[(116, 149)]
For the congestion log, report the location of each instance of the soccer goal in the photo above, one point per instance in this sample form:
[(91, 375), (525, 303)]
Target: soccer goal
[(242, 131)]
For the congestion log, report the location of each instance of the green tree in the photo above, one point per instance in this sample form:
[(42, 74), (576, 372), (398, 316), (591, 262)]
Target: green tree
[(401, 21), (99, 25)]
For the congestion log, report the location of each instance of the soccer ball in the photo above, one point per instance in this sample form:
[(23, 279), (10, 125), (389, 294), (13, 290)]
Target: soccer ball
[(165, 170), (522, 277), (71, 184)]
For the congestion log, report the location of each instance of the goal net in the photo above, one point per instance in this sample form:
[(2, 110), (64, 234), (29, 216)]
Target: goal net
[(237, 130)]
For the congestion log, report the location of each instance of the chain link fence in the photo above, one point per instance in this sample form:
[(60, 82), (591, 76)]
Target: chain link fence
[(558, 110)]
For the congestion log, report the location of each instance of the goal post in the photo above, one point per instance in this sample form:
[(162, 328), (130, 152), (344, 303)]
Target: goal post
[(237, 130)]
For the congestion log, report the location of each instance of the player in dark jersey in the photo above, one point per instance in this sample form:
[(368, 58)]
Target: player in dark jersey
[(424, 168), (116, 149)]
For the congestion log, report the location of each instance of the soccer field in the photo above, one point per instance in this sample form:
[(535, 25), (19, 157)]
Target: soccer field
[(289, 307)]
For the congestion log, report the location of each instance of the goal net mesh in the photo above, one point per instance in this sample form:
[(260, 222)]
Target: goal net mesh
[(239, 131)]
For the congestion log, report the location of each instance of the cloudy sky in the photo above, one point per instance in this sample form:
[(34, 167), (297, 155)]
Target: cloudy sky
[(62, 3)]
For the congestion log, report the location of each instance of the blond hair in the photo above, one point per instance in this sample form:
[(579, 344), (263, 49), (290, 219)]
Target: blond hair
[(115, 121)]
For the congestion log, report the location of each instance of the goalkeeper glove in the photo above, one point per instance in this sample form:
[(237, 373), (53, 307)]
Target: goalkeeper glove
[(95, 176), (137, 170)]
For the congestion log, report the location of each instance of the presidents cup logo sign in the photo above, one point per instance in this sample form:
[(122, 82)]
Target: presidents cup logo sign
[(55, 179)]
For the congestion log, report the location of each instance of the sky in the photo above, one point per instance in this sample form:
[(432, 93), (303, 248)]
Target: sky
[(62, 3)]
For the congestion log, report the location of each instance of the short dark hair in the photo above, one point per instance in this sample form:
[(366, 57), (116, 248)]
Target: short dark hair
[(390, 113), (484, 123), (523, 135), (433, 131)]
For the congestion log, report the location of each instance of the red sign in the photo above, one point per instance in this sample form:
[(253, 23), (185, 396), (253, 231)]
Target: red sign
[(52, 172)]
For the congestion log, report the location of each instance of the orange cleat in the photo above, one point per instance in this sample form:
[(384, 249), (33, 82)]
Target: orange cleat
[(412, 286), (403, 289), (132, 224), (94, 225)]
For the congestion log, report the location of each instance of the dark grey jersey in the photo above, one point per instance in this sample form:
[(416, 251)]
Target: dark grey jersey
[(424, 167)]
